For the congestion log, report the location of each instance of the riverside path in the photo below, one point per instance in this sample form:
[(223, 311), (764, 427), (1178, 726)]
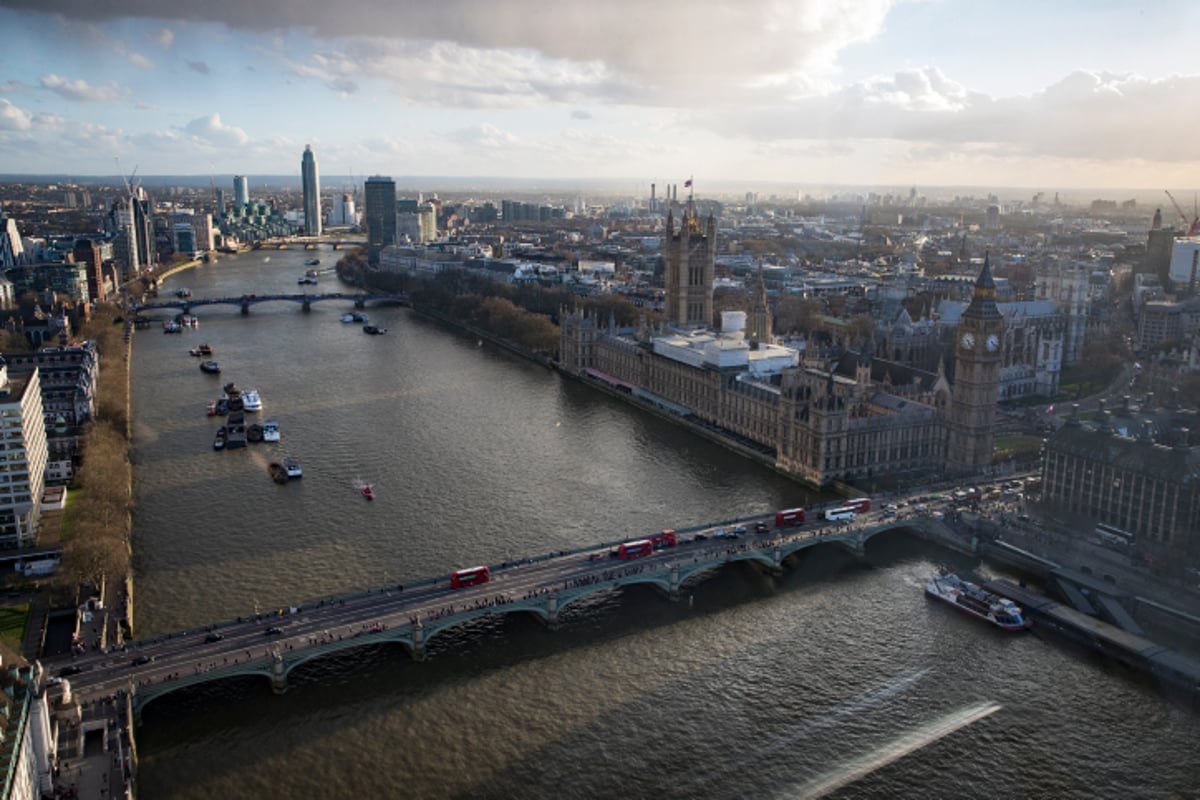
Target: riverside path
[(271, 645)]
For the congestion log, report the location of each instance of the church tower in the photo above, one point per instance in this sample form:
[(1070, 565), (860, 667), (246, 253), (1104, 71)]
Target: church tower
[(690, 269), (976, 379)]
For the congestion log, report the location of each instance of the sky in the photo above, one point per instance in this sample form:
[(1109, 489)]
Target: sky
[(1044, 94)]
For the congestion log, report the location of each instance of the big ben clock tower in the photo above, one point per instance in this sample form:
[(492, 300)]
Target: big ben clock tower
[(976, 379)]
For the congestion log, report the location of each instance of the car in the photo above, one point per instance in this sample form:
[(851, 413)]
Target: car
[(720, 533), (699, 537), (922, 507), (143, 659), (1010, 492), (760, 527), (272, 631), (69, 670), (740, 529), (213, 637)]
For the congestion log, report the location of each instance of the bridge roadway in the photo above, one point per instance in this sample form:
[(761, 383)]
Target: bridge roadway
[(244, 302), (271, 645)]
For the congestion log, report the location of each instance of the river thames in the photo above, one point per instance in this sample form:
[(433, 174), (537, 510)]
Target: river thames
[(839, 679)]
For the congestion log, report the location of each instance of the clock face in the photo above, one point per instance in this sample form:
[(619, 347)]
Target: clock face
[(993, 343), (968, 341)]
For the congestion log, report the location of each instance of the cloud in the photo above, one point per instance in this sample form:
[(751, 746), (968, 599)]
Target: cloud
[(135, 58), (669, 50), (580, 114), (145, 106), (1091, 115), (210, 130), (79, 90), (164, 36), (484, 135), (198, 66), (13, 86), (13, 118)]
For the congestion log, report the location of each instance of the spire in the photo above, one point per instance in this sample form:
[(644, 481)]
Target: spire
[(984, 281)]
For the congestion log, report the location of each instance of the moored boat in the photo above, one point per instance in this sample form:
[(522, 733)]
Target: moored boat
[(251, 401), (270, 430), (219, 439), (277, 472), (375, 330), (976, 601), (212, 408), (254, 433), (292, 467), (211, 367)]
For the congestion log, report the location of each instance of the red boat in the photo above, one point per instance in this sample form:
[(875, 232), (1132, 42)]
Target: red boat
[(367, 491)]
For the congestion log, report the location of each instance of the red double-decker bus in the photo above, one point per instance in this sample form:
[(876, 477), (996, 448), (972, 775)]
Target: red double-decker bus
[(469, 577), (861, 505), (642, 547), (667, 538), (791, 516)]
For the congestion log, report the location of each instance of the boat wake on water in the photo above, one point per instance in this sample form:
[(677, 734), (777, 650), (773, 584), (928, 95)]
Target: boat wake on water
[(825, 721), (906, 744)]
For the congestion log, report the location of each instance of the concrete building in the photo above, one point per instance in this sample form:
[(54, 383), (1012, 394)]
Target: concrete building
[(1135, 473), (67, 377), (380, 194), (11, 249), (343, 213), (183, 238), (311, 184), (23, 470), (1185, 264)]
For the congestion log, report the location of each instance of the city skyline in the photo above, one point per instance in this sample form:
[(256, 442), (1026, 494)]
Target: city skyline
[(895, 92)]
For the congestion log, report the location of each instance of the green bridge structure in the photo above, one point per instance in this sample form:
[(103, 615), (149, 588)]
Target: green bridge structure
[(557, 581)]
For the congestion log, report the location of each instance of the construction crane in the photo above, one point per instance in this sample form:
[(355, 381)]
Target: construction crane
[(1193, 227)]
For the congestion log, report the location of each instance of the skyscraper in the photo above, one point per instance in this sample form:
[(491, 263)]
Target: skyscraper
[(241, 192), (381, 215), (11, 249), (312, 192)]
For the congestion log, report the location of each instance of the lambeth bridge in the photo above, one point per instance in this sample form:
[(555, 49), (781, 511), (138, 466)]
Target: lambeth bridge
[(411, 615), (244, 302)]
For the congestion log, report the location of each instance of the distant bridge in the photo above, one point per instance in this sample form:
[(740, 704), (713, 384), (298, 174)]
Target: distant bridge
[(273, 645), (244, 302), (306, 242)]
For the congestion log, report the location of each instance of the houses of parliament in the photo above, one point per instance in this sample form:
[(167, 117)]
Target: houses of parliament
[(824, 420)]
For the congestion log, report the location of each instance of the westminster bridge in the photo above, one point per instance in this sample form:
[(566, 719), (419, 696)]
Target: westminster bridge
[(411, 615)]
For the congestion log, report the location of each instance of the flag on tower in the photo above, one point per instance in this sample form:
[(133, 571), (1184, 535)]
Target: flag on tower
[(687, 184)]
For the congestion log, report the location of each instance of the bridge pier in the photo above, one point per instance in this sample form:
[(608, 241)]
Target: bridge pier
[(245, 308), (418, 638), (552, 611), (360, 304), (674, 592), (278, 676), (306, 305)]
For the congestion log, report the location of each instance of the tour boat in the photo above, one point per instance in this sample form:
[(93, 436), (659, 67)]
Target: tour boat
[(976, 601), (270, 430)]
